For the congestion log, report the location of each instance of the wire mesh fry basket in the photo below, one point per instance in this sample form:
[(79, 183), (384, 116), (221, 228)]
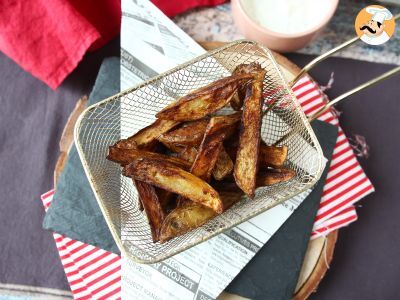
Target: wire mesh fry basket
[(122, 115)]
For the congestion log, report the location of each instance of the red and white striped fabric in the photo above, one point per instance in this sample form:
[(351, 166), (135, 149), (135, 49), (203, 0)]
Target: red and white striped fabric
[(96, 274), (346, 182), (344, 218), (92, 273)]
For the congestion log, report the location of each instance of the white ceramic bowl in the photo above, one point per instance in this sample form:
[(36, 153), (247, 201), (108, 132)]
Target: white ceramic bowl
[(281, 42)]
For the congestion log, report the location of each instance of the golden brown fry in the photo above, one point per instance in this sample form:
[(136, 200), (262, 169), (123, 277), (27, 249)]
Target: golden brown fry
[(145, 137), (174, 147), (204, 101), (207, 156), (191, 215), (184, 218), (189, 134), (245, 169), (224, 165), (126, 156), (272, 156), (237, 100), (240, 94), (189, 154), (167, 176), (211, 144), (151, 204), (274, 176), (210, 147), (269, 156), (166, 199)]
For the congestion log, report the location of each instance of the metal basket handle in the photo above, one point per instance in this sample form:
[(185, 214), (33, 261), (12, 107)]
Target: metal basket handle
[(327, 106), (324, 56)]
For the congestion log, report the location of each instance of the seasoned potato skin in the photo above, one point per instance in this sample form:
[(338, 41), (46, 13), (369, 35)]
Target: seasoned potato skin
[(274, 176), (246, 165), (240, 94), (167, 176), (211, 144), (147, 136), (272, 156), (126, 156), (210, 147), (189, 134), (224, 165), (152, 207), (204, 101), (191, 215)]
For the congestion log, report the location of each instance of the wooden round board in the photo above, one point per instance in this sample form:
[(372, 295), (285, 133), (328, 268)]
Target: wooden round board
[(320, 251)]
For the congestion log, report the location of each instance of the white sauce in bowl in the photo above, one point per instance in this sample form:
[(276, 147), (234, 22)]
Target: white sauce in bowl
[(287, 16)]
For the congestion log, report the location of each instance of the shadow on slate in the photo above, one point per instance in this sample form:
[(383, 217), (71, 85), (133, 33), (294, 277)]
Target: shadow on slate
[(273, 272), (74, 211)]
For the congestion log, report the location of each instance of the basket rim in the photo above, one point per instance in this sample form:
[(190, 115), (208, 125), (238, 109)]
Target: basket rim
[(114, 232)]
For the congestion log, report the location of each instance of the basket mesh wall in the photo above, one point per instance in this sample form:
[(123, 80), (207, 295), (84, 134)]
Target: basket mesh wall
[(124, 114)]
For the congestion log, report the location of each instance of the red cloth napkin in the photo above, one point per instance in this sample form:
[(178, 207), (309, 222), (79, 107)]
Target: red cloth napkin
[(173, 7), (49, 38)]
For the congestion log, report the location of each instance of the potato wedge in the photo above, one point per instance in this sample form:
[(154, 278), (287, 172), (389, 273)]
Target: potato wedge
[(189, 154), (166, 199), (272, 156), (269, 156), (274, 176), (239, 96), (152, 206), (189, 134), (145, 137), (246, 164), (204, 101), (184, 218), (191, 215), (224, 165), (210, 147), (174, 147), (211, 144), (167, 176), (126, 156)]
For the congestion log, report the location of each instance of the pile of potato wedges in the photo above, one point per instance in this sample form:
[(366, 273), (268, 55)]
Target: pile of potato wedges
[(192, 163)]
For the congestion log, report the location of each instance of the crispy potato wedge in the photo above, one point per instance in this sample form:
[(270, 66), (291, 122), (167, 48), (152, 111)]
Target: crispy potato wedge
[(238, 98), (189, 134), (274, 176), (211, 144), (207, 156), (147, 136), (168, 176), (246, 164), (210, 147), (204, 101), (189, 154), (229, 123), (174, 147), (151, 204), (224, 165), (166, 199), (126, 156), (272, 156), (269, 156), (184, 218), (191, 215)]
